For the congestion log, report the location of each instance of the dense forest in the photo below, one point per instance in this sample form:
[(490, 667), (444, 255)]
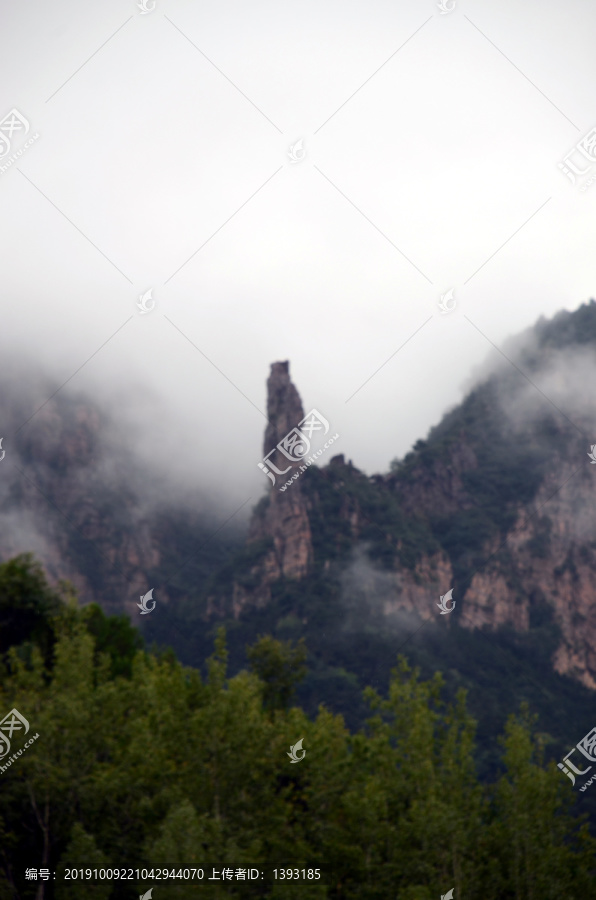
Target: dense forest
[(142, 762)]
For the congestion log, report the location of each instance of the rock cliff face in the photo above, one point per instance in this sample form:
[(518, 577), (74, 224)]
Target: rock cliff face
[(562, 576), (545, 557), (285, 518), (499, 507)]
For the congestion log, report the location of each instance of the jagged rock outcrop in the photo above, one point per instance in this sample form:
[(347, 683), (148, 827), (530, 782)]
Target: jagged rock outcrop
[(551, 559), (499, 502), (284, 408), (439, 489), (284, 520), (514, 517)]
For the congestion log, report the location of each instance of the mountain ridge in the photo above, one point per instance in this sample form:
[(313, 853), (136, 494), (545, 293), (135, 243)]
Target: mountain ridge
[(482, 506), (495, 503)]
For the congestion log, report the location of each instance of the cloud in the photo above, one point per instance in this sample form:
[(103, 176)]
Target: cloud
[(370, 597)]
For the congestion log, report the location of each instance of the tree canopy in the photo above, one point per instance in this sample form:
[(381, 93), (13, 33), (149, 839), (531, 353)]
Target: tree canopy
[(141, 762)]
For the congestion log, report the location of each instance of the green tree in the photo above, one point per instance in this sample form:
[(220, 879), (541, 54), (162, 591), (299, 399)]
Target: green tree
[(537, 849), (280, 667), (113, 635), (27, 604), (157, 767), (82, 853)]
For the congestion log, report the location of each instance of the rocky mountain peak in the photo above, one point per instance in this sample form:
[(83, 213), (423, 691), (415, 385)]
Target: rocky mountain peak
[(284, 519), (284, 407)]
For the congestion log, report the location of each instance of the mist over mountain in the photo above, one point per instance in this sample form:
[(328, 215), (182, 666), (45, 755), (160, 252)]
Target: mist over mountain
[(495, 504), (297, 450), (86, 486)]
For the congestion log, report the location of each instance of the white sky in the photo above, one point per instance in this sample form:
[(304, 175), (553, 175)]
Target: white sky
[(449, 151)]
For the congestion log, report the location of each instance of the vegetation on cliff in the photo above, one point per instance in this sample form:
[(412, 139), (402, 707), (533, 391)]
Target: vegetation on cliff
[(141, 762)]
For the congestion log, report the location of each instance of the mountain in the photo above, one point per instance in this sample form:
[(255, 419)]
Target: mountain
[(498, 504), (73, 492), (495, 505)]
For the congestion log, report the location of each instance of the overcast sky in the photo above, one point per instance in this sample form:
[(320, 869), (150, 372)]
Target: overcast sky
[(429, 163)]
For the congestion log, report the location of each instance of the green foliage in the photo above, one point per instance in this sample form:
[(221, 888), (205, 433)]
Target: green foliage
[(392, 535), (142, 763), (32, 614), (113, 635), (27, 604), (279, 667), (82, 853), (568, 328), (164, 769), (239, 568), (531, 845), (507, 470)]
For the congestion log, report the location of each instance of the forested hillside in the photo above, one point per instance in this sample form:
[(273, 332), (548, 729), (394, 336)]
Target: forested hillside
[(496, 503), (170, 742), (142, 762)]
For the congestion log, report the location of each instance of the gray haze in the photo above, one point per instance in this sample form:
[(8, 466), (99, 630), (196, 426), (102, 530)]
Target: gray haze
[(149, 153)]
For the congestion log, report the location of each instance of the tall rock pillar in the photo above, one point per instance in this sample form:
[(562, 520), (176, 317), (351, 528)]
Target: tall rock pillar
[(285, 519)]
